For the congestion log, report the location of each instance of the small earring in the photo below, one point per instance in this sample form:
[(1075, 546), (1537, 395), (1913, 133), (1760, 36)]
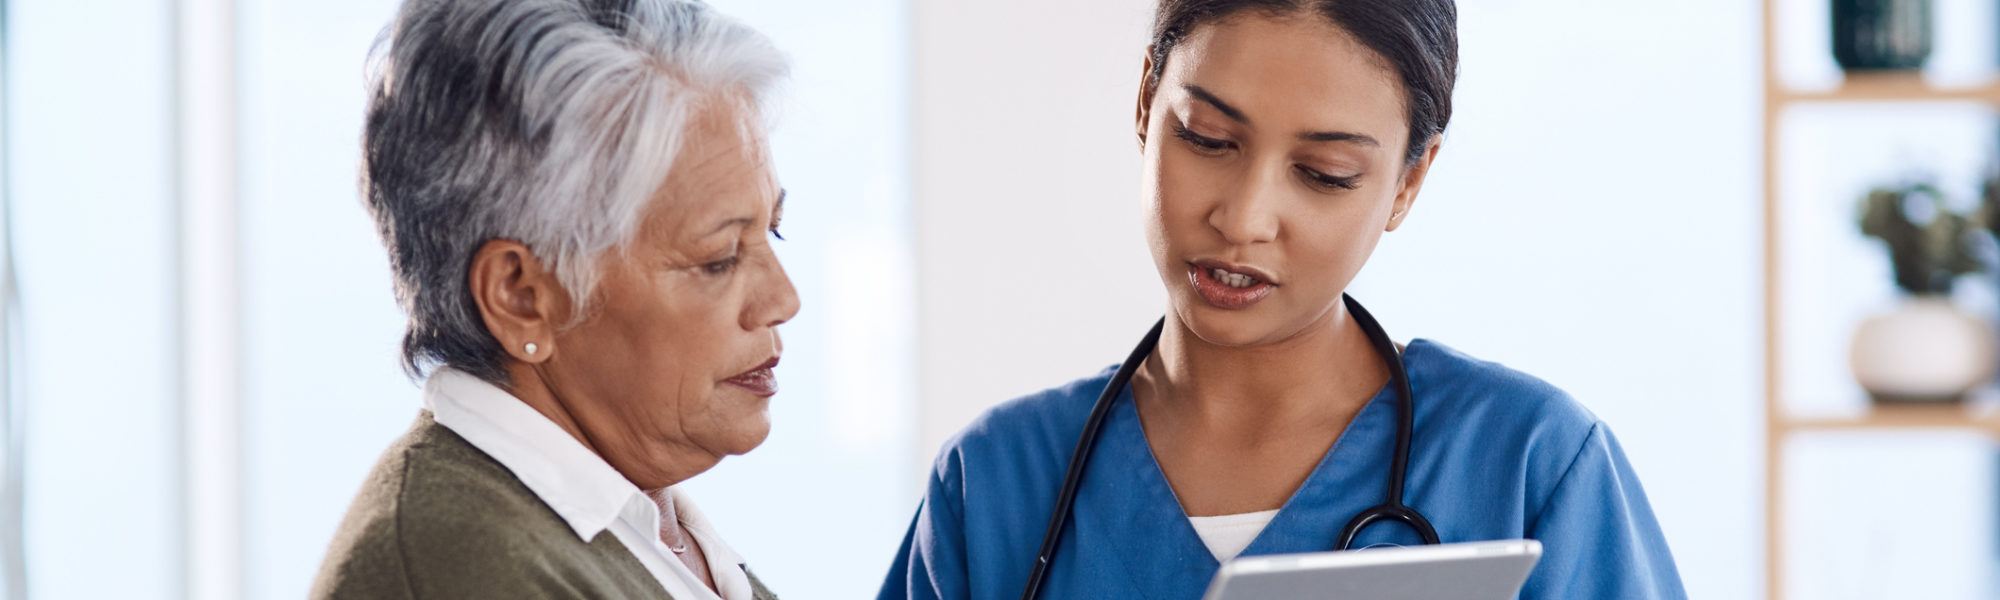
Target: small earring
[(530, 348)]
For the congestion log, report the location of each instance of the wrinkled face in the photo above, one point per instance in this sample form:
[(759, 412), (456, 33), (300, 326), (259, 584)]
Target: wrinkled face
[(1274, 161), (673, 367)]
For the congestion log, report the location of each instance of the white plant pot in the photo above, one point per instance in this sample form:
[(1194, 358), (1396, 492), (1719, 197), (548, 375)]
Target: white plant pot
[(1926, 350)]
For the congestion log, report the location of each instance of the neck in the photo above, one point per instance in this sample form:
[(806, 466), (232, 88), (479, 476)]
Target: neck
[(651, 471), (527, 385), (1330, 365), (670, 517)]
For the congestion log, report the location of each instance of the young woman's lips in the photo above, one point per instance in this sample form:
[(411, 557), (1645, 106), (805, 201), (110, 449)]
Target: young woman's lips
[(762, 381), (1222, 295)]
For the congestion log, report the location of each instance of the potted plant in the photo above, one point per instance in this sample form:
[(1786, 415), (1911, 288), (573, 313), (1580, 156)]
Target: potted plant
[(1926, 349), (1989, 209), (1877, 35)]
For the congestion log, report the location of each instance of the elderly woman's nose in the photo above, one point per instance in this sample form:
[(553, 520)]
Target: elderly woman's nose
[(776, 303)]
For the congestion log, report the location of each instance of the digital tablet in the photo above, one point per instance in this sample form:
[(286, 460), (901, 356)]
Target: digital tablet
[(1470, 571)]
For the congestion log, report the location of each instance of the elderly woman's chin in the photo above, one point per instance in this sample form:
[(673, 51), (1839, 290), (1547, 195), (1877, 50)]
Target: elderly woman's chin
[(659, 439), (746, 430), (671, 458), (742, 403)]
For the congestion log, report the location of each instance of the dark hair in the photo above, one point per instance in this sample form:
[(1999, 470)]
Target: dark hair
[(1419, 38)]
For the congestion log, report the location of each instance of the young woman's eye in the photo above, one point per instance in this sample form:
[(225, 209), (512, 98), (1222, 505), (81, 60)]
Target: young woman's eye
[(1322, 180), (720, 267), (1201, 143)]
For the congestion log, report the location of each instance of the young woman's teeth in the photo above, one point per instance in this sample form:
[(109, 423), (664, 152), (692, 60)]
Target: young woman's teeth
[(1235, 280)]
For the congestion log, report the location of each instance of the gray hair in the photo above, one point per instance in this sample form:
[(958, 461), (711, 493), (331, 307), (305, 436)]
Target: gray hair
[(547, 122)]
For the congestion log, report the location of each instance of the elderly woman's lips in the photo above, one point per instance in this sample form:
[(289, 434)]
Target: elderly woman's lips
[(762, 381)]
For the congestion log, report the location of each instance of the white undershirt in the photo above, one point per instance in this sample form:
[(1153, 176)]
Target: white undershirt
[(1227, 535)]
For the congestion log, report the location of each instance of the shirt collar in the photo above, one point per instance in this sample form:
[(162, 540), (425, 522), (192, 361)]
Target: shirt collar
[(696, 522), (578, 484)]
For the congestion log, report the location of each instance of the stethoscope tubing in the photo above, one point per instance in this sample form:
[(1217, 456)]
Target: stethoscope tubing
[(1392, 508)]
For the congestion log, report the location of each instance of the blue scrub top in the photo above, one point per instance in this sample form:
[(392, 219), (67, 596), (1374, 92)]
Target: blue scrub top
[(1496, 454)]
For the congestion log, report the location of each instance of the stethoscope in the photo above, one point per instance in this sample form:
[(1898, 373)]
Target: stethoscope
[(1391, 509)]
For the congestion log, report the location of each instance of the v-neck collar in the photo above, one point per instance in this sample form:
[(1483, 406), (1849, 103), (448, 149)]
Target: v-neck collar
[(1127, 502)]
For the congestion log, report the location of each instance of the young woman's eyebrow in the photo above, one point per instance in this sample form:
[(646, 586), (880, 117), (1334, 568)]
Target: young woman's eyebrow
[(1203, 95), (1236, 114)]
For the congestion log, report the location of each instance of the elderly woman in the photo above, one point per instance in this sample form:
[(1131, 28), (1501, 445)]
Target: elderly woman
[(577, 203)]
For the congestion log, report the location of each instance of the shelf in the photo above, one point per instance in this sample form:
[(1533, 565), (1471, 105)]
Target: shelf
[(1890, 87), (1974, 417)]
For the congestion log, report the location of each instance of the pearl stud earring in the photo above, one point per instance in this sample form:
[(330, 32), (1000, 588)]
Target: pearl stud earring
[(530, 348)]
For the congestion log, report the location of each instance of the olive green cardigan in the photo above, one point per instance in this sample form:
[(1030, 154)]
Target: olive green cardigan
[(437, 518)]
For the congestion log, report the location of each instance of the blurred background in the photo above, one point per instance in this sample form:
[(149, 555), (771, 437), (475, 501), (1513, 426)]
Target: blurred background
[(1756, 237)]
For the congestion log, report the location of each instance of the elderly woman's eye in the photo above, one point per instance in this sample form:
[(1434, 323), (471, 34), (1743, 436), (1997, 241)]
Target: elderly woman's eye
[(775, 234), (720, 267)]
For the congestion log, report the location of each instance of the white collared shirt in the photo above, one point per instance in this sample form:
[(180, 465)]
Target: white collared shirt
[(579, 485)]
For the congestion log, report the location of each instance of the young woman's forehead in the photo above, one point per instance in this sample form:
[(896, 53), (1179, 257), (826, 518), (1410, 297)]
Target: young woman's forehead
[(1290, 71)]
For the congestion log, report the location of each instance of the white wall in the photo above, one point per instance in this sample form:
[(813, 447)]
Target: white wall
[(1593, 220), (94, 202), (1026, 173), (322, 392)]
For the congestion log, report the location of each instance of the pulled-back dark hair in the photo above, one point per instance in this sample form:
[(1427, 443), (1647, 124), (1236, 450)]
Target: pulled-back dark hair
[(1418, 38)]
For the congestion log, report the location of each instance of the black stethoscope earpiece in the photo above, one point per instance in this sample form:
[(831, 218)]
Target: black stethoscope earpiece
[(1391, 509)]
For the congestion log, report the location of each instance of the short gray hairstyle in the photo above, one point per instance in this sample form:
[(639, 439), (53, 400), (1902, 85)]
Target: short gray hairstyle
[(546, 122)]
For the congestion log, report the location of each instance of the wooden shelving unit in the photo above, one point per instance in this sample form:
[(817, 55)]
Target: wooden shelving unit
[(1780, 424), (1886, 87), (1898, 417)]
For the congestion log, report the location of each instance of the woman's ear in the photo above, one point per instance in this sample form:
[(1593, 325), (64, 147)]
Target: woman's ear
[(521, 302), (1413, 181), (1147, 87)]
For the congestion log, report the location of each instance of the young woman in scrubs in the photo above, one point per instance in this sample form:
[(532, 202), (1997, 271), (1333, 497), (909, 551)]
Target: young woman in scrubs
[(1282, 139)]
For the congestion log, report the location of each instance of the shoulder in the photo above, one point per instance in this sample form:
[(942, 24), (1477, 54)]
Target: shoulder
[(1029, 432), (437, 514), (454, 495), (1450, 382), (1489, 410), (1488, 404), (365, 558), (1045, 419)]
